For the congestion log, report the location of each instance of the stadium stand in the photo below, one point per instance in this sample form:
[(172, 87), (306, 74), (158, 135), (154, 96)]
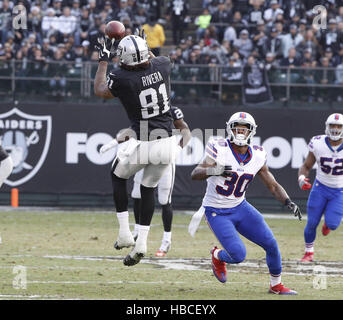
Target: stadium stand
[(209, 40)]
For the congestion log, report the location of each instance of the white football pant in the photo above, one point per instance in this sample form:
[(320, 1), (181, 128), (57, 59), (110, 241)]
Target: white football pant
[(6, 167), (164, 188), (154, 156)]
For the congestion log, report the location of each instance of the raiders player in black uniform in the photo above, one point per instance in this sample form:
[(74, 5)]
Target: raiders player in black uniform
[(165, 188), (6, 165), (142, 83), (165, 185)]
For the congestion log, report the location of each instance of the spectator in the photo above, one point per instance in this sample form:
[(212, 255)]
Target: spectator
[(47, 50), (291, 40), (273, 44), (271, 13), (75, 9), (57, 72), (202, 21), (325, 76), (210, 35), (215, 50), (5, 20), (260, 38), (57, 6), (294, 8), (124, 10), (255, 14), (233, 72), (242, 6), (49, 23), (243, 45), (309, 42), (139, 17), (329, 38), (85, 24), (221, 18), (291, 61), (34, 20), (177, 12), (66, 24), (155, 36)]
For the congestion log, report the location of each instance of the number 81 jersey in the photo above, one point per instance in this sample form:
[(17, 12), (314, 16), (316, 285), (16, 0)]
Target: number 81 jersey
[(229, 192), (145, 95), (329, 160)]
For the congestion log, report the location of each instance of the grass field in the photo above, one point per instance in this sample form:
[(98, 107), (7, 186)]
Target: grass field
[(70, 255)]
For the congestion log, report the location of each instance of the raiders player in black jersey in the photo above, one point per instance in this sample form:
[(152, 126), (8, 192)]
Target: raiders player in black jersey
[(165, 188), (165, 185), (6, 165), (142, 83)]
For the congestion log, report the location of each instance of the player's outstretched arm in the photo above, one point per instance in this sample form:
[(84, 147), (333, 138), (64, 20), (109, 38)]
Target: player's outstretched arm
[(278, 191), (100, 83), (184, 130), (304, 171), (209, 168)]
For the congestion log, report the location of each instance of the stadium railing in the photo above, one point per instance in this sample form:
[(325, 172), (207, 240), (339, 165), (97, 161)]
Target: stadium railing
[(206, 85)]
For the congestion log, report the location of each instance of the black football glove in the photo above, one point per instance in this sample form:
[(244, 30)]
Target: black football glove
[(293, 208), (219, 170), (105, 49)]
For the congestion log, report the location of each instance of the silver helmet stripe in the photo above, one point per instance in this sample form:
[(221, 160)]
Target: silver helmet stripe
[(136, 46)]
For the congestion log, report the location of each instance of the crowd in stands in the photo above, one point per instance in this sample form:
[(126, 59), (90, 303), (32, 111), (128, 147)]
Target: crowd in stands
[(277, 33)]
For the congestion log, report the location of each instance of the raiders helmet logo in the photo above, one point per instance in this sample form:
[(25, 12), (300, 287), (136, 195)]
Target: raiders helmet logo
[(26, 138)]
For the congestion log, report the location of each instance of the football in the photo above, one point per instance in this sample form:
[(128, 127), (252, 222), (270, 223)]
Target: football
[(115, 30)]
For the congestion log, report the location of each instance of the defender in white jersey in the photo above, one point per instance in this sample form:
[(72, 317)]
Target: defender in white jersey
[(229, 167), (326, 197)]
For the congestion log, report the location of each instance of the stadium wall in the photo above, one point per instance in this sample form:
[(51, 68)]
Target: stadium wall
[(56, 150)]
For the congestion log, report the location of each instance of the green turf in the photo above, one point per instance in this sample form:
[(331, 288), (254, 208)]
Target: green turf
[(41, 240)]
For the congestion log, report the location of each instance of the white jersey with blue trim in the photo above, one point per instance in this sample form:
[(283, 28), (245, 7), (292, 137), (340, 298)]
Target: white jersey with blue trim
[(329, 160), (229, 192)]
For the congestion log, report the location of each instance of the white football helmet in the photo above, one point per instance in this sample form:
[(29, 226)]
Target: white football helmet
[(334, 133), (132, 50), (241, 118)]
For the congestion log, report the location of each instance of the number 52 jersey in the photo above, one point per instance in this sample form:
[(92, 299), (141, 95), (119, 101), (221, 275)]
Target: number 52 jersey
[(329, 160), (229, 192)]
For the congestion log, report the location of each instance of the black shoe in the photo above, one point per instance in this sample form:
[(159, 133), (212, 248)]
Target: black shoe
[(131, 261)]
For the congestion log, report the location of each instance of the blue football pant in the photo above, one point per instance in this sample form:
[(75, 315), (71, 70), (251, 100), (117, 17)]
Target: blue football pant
[(244, 219), (323, 200)]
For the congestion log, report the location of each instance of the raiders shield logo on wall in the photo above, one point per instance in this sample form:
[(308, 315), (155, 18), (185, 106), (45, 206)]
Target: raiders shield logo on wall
[(26, 138)]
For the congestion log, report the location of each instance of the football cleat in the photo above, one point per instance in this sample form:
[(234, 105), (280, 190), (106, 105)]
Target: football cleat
[(282, 290), (165, 247), (218, 267), (133, 257), (325, 230), (126, 241), (308, 257)]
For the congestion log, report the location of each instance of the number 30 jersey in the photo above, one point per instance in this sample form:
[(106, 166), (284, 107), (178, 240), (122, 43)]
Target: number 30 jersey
[(145, 95), (329, 160), (229, 192)]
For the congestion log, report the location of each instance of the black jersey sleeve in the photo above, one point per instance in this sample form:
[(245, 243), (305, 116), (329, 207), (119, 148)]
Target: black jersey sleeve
[(113, 83), (177, 113)]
